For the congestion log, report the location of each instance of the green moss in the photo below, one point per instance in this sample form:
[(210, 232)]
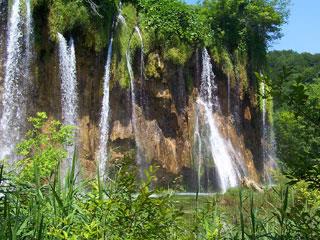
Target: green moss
[(154, 66), (123, 39), (63, 17), (267, 96), (148, 40), (178, 55), (222, 58), (79, 19)]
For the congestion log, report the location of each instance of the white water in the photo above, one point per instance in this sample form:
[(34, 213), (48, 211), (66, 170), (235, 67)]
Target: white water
[(69, 93), (139, 156), (222, 152), (133, 111), (143, 97), (122, 19), (229, 96), (198, 143), (268, 140), (16, 79), (137, 29), (29, 32), (104, 120), (105, 111), (264, 109)]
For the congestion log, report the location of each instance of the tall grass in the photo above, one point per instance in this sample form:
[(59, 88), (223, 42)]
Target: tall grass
[(39, 204)]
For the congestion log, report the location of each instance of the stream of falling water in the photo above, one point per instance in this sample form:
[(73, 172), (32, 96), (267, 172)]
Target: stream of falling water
[(268, 140), (137, 29), (229, 96), (69, 93), (104, 121), (198, 144), (16, 79), (139, 157), (222, 152), (29, 31), (105, 111)]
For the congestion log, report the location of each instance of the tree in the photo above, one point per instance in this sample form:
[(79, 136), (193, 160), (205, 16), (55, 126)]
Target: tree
[(246, 25), (296, 90)]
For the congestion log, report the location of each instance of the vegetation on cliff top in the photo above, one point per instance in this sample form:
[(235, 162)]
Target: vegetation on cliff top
[(239, 27)]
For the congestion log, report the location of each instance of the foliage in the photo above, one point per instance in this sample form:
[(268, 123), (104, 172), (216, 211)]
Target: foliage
[(43, 148), (89, 19), (123, 39), (46, 208), (123, 208), (246, 26), (209, 223), (154, 67), (178, 56), (296, 92), (173, 21)]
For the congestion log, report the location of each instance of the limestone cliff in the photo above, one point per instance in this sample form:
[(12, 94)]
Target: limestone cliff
[(165, 115)]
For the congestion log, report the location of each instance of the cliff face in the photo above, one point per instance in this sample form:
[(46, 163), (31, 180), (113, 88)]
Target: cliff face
[(165, 113), (165, 110)]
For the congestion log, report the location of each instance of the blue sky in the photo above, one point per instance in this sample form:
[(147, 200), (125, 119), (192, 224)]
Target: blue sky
[(302, 33)]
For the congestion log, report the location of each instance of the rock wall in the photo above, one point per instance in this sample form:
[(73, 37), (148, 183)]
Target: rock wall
[(165, 118)]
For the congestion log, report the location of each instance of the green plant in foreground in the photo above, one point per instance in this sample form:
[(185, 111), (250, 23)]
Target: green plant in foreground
[(43, 148), (38, 204)]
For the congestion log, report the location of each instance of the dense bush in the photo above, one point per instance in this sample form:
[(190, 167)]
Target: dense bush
[(89, 19), (173, 21), (38, 203), (295, 86)]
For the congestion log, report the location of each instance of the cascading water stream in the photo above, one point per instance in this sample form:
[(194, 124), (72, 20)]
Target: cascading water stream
[(105, 111), (143, 96), (139, 156), (222, 153), (122, 19), (104, 120), (69, 93), (229, 105), (28, 36), (229, 96), (268, 140), (137, 29), (3, 21), (16, 79), (198, 143)]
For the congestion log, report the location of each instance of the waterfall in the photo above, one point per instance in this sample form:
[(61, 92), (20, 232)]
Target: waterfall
[(69, 93), (222, 153), (122, 19), (198, 152), (3, 21), (28, 34), (104, 120), (137, 29), (139, 156), (134, 110), (229, 95), (268, 139), (143, 95), (105, 111), (16, 79)]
